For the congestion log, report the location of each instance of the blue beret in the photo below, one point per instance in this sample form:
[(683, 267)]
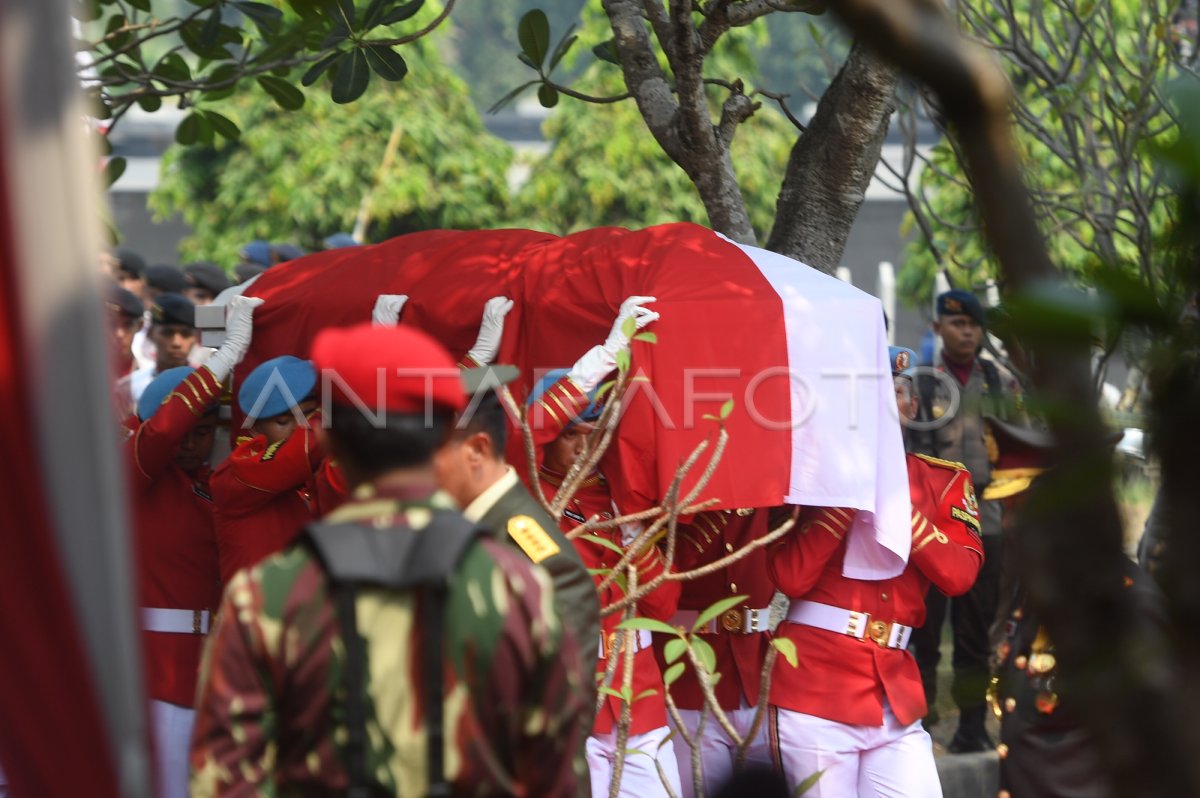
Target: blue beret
[(590, 413), (159, 389), (173, 309), (282, 253), (276, 386), (903, 360), (340, 240), (956, 302), (257, 252)]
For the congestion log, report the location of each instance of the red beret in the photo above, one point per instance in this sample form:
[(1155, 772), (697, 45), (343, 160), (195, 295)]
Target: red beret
[(401, 364)]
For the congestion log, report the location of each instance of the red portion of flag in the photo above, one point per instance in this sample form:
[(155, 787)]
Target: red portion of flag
[(721, 334)]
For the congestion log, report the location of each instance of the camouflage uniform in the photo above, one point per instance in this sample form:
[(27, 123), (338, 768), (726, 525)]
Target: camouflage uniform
[(271, 706)]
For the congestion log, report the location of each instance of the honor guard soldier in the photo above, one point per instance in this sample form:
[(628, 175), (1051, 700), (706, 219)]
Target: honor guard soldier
[(396, 649), (852, 707), (954, 393), (178, 579), (739, 637), (261, 491), (173, 333)]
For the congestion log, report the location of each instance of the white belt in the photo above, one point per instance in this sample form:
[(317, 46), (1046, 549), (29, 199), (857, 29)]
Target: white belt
[(740, 620), (887, 634), (186, 622), (640, 638)]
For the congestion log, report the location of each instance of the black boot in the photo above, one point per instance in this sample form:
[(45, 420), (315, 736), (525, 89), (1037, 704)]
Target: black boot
[(971, 736)]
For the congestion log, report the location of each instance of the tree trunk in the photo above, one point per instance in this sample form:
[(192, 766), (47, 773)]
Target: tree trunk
[(833, 161)]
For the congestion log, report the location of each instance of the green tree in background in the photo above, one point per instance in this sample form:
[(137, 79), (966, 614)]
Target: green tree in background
[(1090, 110), (301, 175)]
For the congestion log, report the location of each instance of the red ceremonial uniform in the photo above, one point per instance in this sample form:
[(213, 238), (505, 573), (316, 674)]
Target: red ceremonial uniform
[(711, 536), (843, 678), (176, 546), (261, 495)]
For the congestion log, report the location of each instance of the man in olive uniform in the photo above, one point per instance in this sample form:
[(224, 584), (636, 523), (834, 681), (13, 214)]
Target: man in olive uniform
[(954, 393), (277, 684)]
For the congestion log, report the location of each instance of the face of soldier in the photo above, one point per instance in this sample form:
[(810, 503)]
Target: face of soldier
[(906, 401), (199, 296), (560, 454), (197, 445), (279, 428), (961, 336), (121, 329), (172, 342), (459, 465), (131, 282)]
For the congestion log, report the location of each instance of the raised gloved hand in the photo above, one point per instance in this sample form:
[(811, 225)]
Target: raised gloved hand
[(598, 361), (491, 330), (386, 312), (631, 531), (239, 324)]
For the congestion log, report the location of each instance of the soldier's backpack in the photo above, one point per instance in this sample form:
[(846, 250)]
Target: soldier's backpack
[(356, 556)]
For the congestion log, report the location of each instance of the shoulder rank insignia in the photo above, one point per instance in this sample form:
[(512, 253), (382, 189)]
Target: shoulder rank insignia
[(937, 461), (531, 538)]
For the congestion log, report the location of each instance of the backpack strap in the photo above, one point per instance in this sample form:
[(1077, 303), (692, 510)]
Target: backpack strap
[(394, 558)]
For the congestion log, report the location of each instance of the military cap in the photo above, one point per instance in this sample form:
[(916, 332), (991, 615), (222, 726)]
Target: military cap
[(208, 276), (903, 360), (129, 261), (405, 366), (257, 252), (956, 302), (282, 253), (247, 271), (589, 414), (166, 278), (173, 309), (339, 240), (159, 389), (1019, 454), (123, 302), (276, 386)]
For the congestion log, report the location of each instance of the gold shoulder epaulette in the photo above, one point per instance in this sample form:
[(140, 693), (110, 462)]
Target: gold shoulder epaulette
[(937, 461)]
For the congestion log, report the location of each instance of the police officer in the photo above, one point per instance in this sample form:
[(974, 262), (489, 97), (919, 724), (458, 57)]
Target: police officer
[(295, 699), (954, 393)]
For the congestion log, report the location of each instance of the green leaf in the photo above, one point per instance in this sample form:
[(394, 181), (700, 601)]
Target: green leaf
[(172, 67), (506, 99), (113, 171), (223, 125), (188, 129), (318, 69), (716, 609), (386, 62), (548, 96), (402, 12), (614, 693), (350, 78), (140, 5), (788, 649), (605, 542), (726, 409), (705, 654), (266, 17), (533, 32), (623, 360), (644, 694), (204, 130), (211, 29), (807, 784), (629, 327), (648, 337), (649, 624), (599, 571), (672, 674), (337, 34), (607, 51), (527, 61), (564, 46), (114, 23), (343, 11), (285, 95), (674, 649), (149, 102)]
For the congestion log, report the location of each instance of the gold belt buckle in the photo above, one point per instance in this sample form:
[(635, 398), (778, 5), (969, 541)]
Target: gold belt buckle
[(733, 620), (879, 632)]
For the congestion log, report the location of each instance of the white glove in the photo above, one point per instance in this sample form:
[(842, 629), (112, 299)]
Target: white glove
[(630, 532), (239, 324), (491, 330), (598, 361), (386, 312)]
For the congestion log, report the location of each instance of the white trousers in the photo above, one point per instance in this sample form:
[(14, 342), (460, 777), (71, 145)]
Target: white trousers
[(172, 725), (718, 753), (639, 776), (888, 761)]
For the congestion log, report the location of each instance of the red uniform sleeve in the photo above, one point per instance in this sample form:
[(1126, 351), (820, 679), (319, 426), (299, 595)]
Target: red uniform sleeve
[(662, 602), (330, 489), (696, 541), (264, 471), (154, 444), (796, 562), (554, 410), (945, 543)]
